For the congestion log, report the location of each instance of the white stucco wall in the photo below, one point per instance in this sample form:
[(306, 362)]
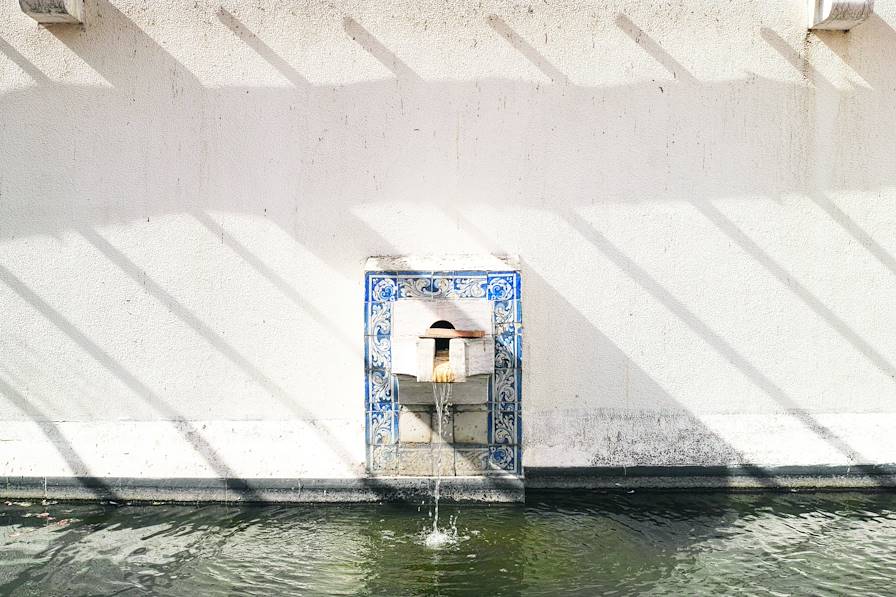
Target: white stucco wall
[(701, 194)]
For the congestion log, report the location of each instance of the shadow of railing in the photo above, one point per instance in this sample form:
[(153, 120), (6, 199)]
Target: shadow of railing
[(677, 308), (527, 50), (96, 486), (261, 48), (210, 336), (655, 50), (801, 63), (375, 48), (185, 428), (23, 63), (864, 348), (276, 279)]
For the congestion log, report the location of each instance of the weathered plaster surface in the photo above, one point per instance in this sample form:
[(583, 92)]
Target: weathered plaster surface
[(700, 194)]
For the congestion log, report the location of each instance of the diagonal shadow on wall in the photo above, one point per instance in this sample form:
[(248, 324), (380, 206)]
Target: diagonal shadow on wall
[(262, 49), (730, 229), (677, 308), (276, 279), (77, 466), (185, 428), (210, 336), (323, 196), (884, 37)]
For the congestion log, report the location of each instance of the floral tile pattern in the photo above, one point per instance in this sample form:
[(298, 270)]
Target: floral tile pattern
[(381, 389), (506, 388), (383, 459), (382, 426), (379, 319), (504, 425), (506, 312), (456, 287), (504, 458), (414, 287), (502, 291), (508, 346), (378, 352)]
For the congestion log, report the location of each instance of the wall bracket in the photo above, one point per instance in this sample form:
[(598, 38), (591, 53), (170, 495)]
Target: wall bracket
[(838, 15), (54, 11)]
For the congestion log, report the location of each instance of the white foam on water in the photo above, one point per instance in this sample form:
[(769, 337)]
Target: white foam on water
[(438, 539)]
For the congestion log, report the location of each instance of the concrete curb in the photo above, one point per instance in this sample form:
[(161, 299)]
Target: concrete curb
[(453, 489), (375, 489), (782, 478)]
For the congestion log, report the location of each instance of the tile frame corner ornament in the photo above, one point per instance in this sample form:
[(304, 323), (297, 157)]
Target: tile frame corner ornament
[(502, 290)]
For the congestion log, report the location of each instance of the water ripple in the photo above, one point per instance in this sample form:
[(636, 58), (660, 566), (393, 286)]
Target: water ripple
[(761, 544)]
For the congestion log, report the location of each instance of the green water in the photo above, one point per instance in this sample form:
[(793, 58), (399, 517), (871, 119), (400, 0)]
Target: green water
[(768, 544)]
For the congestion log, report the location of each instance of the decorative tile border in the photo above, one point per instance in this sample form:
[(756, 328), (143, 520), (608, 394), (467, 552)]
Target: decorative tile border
[(502, 290)]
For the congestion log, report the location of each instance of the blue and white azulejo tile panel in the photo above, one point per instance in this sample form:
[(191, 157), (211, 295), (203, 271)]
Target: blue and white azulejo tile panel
[(502, 290)]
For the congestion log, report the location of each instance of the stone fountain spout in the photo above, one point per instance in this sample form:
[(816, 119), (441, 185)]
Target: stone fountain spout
[(468, 353)]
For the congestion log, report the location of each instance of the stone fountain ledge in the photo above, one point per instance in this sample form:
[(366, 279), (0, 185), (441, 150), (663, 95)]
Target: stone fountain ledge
[(495, 489), (216, 490), (440, 263)]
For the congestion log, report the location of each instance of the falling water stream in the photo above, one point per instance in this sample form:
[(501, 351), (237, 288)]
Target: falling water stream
[(441, 393)]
